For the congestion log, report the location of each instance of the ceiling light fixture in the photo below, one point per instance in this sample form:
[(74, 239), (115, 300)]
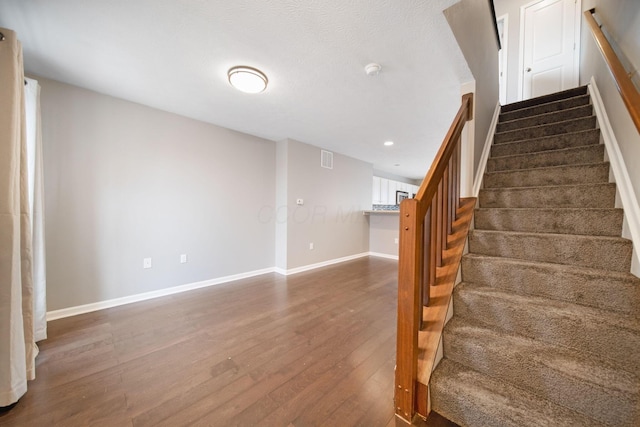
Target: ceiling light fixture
[(388, 143), (247, 79)]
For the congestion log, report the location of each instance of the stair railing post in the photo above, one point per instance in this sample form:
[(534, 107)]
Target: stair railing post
[(439, 212), (428, 261), (451, 206), (458, 157), (410, 271), (445, 210), (433, 245)]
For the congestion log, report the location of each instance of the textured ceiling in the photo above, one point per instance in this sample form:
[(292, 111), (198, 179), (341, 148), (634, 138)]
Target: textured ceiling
[(174, 54)]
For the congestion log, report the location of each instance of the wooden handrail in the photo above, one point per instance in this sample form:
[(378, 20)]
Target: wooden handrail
[(425, 223), (627, 90)]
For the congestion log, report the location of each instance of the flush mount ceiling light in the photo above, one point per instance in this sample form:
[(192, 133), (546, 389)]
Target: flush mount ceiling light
[(247, 79), (388, 143)]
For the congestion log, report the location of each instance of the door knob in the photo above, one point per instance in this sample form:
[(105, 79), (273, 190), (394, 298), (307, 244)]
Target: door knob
[(528, 70)]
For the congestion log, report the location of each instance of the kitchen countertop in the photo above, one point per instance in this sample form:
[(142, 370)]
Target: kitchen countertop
[(381, 211)]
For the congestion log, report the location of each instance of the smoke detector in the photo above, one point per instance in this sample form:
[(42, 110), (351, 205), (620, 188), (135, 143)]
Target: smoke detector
[(372, 69)]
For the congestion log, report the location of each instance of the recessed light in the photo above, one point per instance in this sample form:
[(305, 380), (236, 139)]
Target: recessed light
[(388, 143), (247, 79)]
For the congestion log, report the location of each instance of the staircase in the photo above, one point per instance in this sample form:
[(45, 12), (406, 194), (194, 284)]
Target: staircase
[(546, 325)]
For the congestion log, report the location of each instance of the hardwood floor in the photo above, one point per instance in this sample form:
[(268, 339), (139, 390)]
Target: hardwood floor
[(312, 349)]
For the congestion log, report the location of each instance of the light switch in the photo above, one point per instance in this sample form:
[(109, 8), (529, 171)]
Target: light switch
[(300, 202)]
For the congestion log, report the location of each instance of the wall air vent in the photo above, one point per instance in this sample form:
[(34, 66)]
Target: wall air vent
[(326, 159)]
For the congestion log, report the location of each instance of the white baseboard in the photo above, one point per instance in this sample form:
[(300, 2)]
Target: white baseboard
[(381, 255), (101, 305), (486, 150), (319, 264), (619, 169)]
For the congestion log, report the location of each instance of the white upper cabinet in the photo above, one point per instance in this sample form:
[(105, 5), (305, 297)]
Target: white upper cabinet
[(393, 186), (384, 190), (375, 195)]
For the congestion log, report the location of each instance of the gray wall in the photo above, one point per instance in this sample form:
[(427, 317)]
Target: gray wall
[(472, 24), (279, 213), (331, 217), (383, 230), (124, 182), (398, 178), (621, 18)]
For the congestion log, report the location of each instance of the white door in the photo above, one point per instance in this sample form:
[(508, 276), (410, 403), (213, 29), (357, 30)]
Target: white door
[(550, 53), (503, 23)]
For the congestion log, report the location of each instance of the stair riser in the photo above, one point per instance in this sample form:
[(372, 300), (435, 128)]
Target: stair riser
[(458, 409), (605, 252), (602, 290), (545, 108), (588, 335), (521, 366), (558, 142), (600, 222), (547, 118), (545, 130), (571, 93), (567, 175), (572, 156), (597, 196)]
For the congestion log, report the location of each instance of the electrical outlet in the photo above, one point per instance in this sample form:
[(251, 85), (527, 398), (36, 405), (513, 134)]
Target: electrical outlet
[(146, 263), (310, 246), (299, 202), (183, 258)]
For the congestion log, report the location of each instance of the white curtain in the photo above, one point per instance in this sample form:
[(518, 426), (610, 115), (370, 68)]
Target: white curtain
[(36, 206), (17, 342)]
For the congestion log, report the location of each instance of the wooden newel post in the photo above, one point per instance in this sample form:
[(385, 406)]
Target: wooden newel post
[(425, 223), (410, 270)]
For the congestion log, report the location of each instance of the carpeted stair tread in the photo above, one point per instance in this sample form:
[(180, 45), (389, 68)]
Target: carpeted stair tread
[(599, 334), (549, 107), (608, 253), (590, 221), (540, 131), (470, 398), (553, 175), (545, 118), (567, 140), (594, 388), (560, 157), (545, 99), (604, 289), (546, 320), (563, 196)]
